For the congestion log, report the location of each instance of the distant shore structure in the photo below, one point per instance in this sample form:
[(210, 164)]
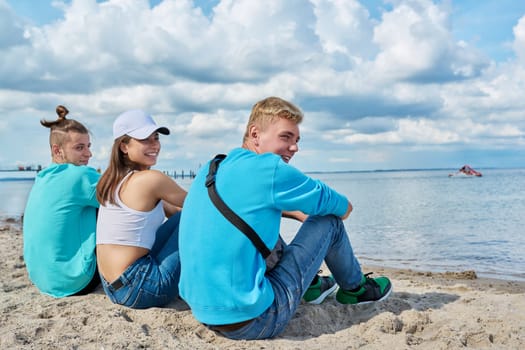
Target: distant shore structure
[(190, 174), (182, 174), (36, 168)]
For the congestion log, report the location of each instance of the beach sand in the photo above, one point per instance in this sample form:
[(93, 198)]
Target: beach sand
[(425, 311)]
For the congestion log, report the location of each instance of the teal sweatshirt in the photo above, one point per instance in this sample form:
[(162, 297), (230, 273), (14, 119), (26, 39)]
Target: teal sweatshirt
[(222, 274), (59, 229)]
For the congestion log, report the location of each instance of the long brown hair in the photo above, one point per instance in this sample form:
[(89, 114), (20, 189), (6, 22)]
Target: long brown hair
[(119, 166), (60, 128)]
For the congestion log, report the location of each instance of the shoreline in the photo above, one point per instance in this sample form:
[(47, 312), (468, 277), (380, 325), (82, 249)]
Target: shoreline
[(427, 310), (449, 273), (16, 220)]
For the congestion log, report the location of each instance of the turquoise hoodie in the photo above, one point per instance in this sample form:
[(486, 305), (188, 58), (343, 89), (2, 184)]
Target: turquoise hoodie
[(222, 274)]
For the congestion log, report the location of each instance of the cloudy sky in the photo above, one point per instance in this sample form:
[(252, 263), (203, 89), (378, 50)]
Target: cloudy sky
[(383, 84)]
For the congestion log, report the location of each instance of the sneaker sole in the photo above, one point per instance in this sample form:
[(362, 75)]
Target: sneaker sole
[(373, 301), (323, 295)]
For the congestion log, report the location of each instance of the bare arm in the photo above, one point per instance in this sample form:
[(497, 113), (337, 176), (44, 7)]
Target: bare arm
[(296, 215), (348, 211), (145, 188), (170, 209), (300, 216), (169, 191)]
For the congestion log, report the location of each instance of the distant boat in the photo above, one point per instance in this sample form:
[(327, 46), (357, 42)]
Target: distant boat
[(466, 170)]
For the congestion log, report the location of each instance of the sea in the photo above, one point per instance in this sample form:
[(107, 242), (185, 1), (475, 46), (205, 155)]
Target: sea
[(424, 220)]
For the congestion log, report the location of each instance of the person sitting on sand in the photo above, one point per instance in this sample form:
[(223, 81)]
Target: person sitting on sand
[(137, 249), (60, 215), (224, 276)]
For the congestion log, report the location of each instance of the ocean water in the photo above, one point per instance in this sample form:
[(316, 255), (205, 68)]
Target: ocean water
[(422, 220), (14, 189), (426, 220)]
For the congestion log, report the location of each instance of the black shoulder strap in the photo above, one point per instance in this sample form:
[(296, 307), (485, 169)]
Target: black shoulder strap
[(228, 213)]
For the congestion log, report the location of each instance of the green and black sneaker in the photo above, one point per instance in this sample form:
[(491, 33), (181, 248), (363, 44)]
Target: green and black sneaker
[(320, 289), (371, 290)]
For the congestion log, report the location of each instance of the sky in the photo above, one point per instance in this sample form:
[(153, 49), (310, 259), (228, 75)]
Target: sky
[(401, 84)]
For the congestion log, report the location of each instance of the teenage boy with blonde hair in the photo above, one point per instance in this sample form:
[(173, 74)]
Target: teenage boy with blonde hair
[(224, 277)]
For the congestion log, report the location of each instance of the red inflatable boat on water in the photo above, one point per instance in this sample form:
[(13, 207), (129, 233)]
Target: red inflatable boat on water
[(467, 171)]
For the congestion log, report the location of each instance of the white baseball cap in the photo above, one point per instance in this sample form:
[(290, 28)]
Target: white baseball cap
[(137, 124)]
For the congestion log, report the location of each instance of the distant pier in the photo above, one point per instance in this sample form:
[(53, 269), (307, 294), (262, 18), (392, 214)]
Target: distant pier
[(181, 175), (36, 168)]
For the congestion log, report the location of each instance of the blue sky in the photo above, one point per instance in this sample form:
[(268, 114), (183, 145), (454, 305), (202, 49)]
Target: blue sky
[(383, 84)]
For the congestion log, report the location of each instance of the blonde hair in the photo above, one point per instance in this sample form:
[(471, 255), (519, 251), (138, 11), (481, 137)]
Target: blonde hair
[(270, 109), (60, 128)]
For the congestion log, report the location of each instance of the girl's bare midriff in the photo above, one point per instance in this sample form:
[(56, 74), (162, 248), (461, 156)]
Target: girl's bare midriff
[(114, 259)]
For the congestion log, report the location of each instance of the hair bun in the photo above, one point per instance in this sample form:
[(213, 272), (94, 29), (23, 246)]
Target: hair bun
[(62, 112)]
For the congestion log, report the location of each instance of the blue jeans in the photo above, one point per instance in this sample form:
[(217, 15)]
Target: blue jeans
[(319, 238), (153, 279)]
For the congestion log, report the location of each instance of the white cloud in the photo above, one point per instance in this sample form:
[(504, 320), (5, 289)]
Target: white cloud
[(206, 126), (416, 43), (400, 78), (344, 26), (519, 39)]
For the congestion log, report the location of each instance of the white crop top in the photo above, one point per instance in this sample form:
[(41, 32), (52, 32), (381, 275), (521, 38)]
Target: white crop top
[(119, 224)]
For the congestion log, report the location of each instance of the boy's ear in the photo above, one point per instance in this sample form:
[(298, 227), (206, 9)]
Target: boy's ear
[(254, 131), (55, 150), (254, 134)]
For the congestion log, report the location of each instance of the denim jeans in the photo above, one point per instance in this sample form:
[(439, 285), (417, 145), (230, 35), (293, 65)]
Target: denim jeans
[(153, 279), (319, 238)]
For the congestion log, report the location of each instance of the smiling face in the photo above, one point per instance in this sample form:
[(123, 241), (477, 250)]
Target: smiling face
[(143, 153), (279, 137), (75, 150)]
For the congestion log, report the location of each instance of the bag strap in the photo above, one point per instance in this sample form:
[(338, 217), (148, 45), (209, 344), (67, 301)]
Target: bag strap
[(227, 212)]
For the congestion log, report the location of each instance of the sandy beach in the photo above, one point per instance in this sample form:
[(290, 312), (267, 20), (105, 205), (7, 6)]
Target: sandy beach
[(425, 311)]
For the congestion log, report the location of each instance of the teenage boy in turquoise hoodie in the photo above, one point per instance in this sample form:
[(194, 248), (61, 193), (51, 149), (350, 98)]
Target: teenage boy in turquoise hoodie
[(224, 277)]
